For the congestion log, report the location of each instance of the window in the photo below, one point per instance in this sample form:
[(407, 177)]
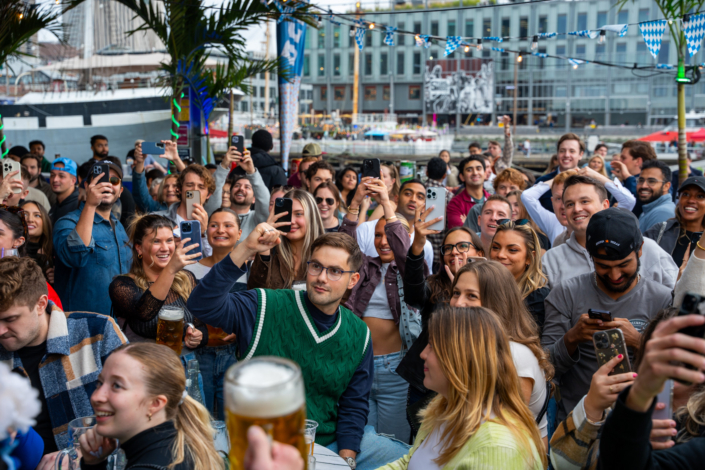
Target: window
[(336, 65), (582, 21), (244, 106), (663, 53), (307, 65), (434, 28), (560, 51), (414, 92), (322, 38), (368, 39), (321, 65), (385, 93), (351, 38), (351, 64), (435, 54), (400, 63), (487, 27), (505, 27), (417, 28), (601, 19), (383, 64), (621, 52), (504, 61), (523, 26), (339, 93), (580, 51), (368, 64), (562, 24), (643, 15), (370, 93), (254, 92), (543, 24), (336, 36), (309, 33), (451, 28), (470, 28), (417, 63), (261, 91), (324, 93), (561, 92), (642, 54), (542, 62), (399, 39), (272, 92), (623, 17), (599, 51)]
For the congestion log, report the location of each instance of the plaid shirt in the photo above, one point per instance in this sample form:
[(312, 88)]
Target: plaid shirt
[(77, 347), (437, 239)]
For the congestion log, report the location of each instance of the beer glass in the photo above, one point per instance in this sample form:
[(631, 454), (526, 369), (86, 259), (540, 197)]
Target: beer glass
[(170, 328), (77, 428), (268, 392), (310, 435)]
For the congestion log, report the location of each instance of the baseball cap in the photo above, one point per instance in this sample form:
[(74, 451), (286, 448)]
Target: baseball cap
[(69, 165), (616, 230), (698, 181), (112, 166), (312, 150)]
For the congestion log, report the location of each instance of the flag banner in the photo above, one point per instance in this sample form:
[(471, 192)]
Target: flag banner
[(452, 43), (620, 29), (652, 32), (389, 35), (493, 38), (664, 66), (290, 47), (547, 35), (360, 34), (586, 33), (694, 30)]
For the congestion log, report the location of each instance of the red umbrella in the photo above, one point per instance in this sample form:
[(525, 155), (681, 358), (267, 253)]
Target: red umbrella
[(661, 136), (697, 136)]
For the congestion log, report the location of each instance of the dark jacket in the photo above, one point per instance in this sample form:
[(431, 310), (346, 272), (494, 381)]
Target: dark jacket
[(149, 450), (668, 239), (272, 173), (534, 303), (64, 207), (269, 272), (545, 200), (674, 181)]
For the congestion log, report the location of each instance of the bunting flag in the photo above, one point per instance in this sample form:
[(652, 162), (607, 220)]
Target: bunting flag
[(334, 21), (543, 55), (664, 66), (576, 62), (423, 39), (586, 33), (493, 38), (652, 32), (360, 34), (452, 43), (546, 35), (694, 30), (497, 49), (620, 29), (285, 11), (389, 35)]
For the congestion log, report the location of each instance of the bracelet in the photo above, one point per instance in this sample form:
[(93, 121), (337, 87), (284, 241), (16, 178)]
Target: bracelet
[(392, 219), (354, 211), (699, 245)]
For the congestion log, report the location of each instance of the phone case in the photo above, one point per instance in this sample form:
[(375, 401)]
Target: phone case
[(238, 142), (665, 397), (102, 172), (436, 197), (609, 346), (192, 197), (152, 148), (371, 167), (8, 166), (192, 229), (283, 205)]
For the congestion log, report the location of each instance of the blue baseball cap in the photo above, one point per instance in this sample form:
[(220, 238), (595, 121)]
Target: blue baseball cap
[(69, 165)]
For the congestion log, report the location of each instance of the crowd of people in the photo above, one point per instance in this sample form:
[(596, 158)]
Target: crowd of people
[(472, 346)]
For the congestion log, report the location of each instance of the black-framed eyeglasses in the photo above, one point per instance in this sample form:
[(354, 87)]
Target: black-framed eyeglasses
[(19, 212), (333, 273), (462, 247), (329, 200), (516, 222), (650, 181)]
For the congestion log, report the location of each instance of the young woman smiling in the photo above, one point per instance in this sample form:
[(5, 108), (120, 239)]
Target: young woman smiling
[(328, 200), (516, 246), (346, 182), (390, 177), (520, 212), (40, 246)]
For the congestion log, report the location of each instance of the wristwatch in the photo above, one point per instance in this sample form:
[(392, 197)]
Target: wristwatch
[(351, 462)]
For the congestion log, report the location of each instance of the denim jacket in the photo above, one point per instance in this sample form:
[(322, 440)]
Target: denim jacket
[(83, 273)]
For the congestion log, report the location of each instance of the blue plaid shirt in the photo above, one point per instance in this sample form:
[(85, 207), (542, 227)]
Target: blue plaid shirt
[(77, 347)]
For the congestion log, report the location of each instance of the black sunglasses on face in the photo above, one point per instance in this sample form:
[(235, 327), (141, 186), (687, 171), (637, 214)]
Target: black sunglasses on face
[(516, 222), (329, 200)]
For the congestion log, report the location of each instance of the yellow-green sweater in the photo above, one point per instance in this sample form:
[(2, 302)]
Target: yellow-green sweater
[(492, 447)]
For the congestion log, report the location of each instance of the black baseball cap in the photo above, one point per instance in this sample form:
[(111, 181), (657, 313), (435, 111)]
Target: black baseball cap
[(616, 230), (698, 181)]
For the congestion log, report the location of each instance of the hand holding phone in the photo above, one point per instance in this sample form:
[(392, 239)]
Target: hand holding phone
[(605, 387), (152, 148), (192, 197), (238, 142), (281, 218), (610, 344), (188, 252), (436, 207), (603, 315), (371, 168), (10, 166), (101, 173)]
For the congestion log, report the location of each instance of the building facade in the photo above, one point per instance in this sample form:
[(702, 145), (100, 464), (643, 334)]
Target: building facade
[(391, 78)]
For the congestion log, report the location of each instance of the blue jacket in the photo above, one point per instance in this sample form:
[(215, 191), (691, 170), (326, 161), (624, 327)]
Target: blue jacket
[(140, 193), (545, 200), (83, 273), (656, 212)]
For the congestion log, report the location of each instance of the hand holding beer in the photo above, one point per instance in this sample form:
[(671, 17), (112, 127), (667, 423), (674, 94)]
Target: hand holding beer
[(260, 456), (180, 259), (193, 338), (170, 328)]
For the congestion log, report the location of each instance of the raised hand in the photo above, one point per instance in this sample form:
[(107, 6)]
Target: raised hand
[(180, 259), (604, 388)]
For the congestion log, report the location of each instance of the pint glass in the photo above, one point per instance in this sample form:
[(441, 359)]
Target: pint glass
[(170, 328), (267, 392)]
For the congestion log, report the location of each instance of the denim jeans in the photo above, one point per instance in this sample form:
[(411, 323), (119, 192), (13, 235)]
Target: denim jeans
[(376, 450), (388, 398), (213, 362)]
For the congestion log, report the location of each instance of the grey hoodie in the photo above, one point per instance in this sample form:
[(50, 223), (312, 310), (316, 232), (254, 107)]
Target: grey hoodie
[(250, 220)]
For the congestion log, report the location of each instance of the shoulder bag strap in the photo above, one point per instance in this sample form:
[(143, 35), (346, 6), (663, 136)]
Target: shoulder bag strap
[(660, 233), (545, 403)]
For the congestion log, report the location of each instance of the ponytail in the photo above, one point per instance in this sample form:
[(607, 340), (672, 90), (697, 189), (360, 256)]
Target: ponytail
[(195, 434)]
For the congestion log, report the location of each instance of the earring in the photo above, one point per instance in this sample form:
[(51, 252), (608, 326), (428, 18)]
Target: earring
[(139, 255), (149, 417)]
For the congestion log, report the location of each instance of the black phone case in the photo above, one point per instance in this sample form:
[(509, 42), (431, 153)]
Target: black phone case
[(105, 172), (285, 206), (371, 167), (238, 142)]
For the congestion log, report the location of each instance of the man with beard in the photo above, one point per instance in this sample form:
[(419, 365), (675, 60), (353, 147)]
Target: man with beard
[(33, 164), (91, 247), (471, 172), (653, 190), (615, 244), (247, 188), (99, 146)]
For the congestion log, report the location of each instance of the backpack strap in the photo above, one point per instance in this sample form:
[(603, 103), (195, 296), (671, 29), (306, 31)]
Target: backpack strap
[(545, 403), (661, 231)]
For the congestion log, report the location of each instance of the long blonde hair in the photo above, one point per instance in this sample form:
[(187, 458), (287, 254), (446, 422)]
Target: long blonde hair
[(475, 356), (140, 227), (314, 229), (603, 170), (164, 375), (533, 277)]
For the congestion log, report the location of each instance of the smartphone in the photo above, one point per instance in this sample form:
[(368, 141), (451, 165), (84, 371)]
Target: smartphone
[(152, 148), (603, 315), (693, 304), (8, 166), (370, 167), (238, 142), (666, 397), (192, 229), (436, 197), (102, 172), (192, 197), (284, 205), (608, 344)]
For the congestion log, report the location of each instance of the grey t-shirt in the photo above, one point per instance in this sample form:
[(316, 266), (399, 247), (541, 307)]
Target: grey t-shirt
[(564, 305)]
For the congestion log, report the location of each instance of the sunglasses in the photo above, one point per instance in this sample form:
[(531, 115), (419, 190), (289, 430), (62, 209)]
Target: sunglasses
[(329, 200), (516, 222), (19, 213)]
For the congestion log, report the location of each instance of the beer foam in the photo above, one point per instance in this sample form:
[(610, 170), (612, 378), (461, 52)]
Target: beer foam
[(171, 314), (265, 390)]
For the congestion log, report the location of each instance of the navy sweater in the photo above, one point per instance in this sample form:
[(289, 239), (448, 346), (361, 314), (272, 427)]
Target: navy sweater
[(212, 303)]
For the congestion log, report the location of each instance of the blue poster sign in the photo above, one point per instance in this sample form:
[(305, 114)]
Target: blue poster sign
[(290, 46)]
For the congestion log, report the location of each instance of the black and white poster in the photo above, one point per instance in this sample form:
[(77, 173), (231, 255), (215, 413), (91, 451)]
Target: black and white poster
[(448, 90)]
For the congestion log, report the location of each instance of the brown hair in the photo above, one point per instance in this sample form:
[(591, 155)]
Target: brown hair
[(498, 197), (579, 179), (512, 176), (639, 149), (319, 165), (493, 142), (45, 240), (202, 172), (330, 186), (439, 284), (22, 282), (164, 375), (533, 277), (523, 213), (228, 211), (160, 191), (570, 136), (344, 242)]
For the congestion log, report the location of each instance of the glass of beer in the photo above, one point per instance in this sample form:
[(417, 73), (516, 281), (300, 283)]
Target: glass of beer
[(268, 392), (170, 328), (310, 435)]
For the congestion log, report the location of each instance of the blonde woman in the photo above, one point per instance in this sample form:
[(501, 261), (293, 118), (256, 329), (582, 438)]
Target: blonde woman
[(516, 246), (284, 267), (597, 163), (519, 212), (478, 420), (391, 179)]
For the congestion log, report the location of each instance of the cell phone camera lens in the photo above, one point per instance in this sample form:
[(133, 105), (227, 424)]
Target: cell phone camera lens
[(280, 203), (187, 227)]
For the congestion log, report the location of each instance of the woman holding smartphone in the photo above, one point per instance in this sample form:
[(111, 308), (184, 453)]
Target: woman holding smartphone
[(41, 245), (390, 176)]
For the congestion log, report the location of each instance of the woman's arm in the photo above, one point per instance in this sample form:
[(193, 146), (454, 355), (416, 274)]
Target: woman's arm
[(132, 303), (693, 278)]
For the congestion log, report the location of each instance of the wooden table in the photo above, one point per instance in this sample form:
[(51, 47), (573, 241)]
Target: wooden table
[(327, 459)]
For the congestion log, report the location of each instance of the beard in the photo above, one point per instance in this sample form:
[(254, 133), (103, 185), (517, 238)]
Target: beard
[(624, 286)]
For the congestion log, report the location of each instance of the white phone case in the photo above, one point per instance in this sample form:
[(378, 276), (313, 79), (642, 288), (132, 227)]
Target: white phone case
[(436, 197), (8, 166)]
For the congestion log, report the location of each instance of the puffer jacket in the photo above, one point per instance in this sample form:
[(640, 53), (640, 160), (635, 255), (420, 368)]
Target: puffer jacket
[(272, 173)]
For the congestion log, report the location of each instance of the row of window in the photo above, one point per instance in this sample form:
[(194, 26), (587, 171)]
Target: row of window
[(340, 93), (366, 66), (255, 89)]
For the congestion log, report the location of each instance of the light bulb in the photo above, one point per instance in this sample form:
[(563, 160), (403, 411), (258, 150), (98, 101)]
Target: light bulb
[(372, 26), (670, 21), (534, 43), (467, 48), (352, 32), (602, 36), (479, 44), (519, 58), (21, 15), (575, 66)]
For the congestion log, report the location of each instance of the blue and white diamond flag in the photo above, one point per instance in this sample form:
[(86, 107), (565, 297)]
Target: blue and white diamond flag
[(652, 32), (389, 36), (620, 29), (543, 55), (452, 43), (423, 40), (547, 35), (664, 66), (334, 21), (360, 34), (576, 62), (493, 38), (694, 30), (497, 49), (586, 33), (285, 11)]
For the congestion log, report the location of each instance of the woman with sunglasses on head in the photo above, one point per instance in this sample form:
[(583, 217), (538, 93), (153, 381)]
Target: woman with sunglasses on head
[(478, 419), (516, 246), (328, 201), (40, 246), (490, 285)]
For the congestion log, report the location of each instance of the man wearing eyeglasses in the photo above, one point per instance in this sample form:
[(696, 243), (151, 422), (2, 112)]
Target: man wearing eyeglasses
[(91, 245), (653, 190), (330, 343)]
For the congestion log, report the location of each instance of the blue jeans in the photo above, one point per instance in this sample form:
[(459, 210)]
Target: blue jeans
[(376, 450), (388, 398), (214, 361)]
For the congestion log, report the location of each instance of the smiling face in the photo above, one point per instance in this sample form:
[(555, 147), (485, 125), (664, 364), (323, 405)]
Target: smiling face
[(596, 163), (509, 248), (651, 185), (298, 222), (455, 259), (514, 201), (170, 192), (569, 154), (492, 211), (113, 193), (61, 181), (617, 276), (466, 292), (691, 205), (434, 378), (558, 206), (223, 230), (241, 193), (412, 196), (157, 247), (473, 174), (581, 202), (327, 210), (321, 176), (35, 224), (384, 252)]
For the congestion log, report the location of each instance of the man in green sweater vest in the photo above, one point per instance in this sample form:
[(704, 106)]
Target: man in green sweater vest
[(329, 342)]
